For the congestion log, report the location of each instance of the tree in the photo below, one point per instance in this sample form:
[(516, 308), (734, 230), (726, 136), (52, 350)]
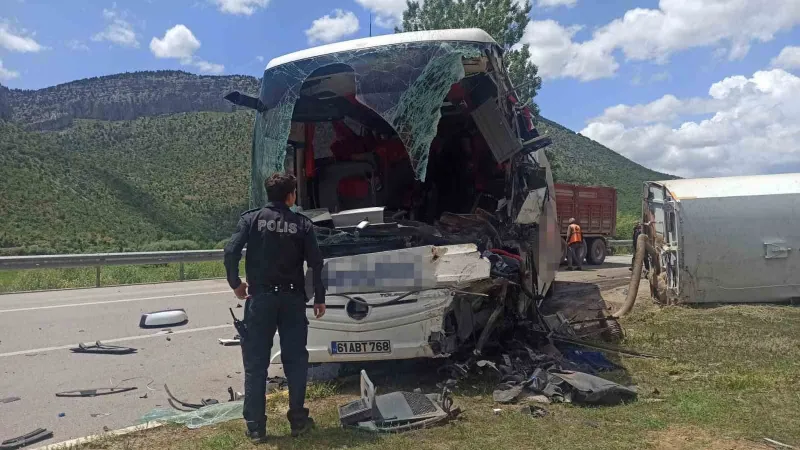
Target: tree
[(504, 20)]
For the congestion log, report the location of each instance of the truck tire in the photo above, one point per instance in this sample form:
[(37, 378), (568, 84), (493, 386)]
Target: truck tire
[(597, 251)]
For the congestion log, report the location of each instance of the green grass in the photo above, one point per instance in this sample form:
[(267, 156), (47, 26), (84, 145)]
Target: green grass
[(726, 379), (45, 279)]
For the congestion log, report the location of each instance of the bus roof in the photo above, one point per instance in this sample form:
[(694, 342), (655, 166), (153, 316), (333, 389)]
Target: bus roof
[(464, 35)]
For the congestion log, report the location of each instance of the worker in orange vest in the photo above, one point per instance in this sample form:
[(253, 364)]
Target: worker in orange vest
[(574, 244)]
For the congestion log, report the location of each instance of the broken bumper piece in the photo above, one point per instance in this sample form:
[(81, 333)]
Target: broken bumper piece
[(33, 437), (397, 411)]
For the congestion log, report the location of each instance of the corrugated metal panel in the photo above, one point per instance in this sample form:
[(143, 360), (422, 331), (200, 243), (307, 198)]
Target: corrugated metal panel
[(593, 207), (733, 186)]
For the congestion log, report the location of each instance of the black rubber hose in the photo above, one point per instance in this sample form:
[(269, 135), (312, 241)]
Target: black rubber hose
[(642, 247)]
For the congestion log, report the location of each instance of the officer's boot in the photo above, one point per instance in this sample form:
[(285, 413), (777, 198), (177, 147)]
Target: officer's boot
[(257, 437), (300, 422)]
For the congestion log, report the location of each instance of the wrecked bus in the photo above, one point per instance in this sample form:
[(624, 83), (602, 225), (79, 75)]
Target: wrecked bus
[(724, 240), (425, 178)]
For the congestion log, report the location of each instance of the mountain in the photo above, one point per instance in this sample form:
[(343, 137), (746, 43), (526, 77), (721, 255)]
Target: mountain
[(158, 160), (124, 96)]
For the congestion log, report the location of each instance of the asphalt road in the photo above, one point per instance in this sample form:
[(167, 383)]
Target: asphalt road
[(37, 330)]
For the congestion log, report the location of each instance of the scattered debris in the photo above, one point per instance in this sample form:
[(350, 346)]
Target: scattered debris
[(497, 411), (62, 414), (9, 399), (234, 396), (535, 411), (103, 349), (159, 319), (33, 437), (197, 418), (143, 396), (100, 414), (226, 342), (397, 411), (96, 392), (186, 406), (169, 339), (238, 305), (779, 444)]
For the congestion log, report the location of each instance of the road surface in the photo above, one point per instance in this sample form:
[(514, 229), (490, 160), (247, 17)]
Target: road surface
[(37, 330)]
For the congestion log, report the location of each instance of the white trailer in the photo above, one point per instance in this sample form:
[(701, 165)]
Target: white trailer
[(726, 240)]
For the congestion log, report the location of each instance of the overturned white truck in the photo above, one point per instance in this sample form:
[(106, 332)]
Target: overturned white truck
[(427, 181), (724, 240)]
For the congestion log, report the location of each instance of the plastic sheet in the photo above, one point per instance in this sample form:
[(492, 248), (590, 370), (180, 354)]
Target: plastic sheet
[(403, 83), (207, 415)]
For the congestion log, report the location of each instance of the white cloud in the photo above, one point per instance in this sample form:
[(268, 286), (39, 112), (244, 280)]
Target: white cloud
[(655, 34), (77, 45), (753, 127), (260, 58), (552, 3), (553, 50), (118, 31), (7, 74), (244, 7), (331, 28), (16, 41), (660, 76), (180, 43), (208, 67), (388, 13), (788, 58)]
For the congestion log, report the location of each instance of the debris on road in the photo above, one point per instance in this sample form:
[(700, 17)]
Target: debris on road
[(186, 406), (100, 414), (228, 342), (33, 437), (396, 412), (197, 418), (96, 392), (9, 399), (234, 396), (103, 349), (160, 319)]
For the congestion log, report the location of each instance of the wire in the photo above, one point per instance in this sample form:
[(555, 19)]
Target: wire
[(147, 386)]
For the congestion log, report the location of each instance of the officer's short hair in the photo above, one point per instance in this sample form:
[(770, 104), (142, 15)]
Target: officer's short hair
[(279, 186)]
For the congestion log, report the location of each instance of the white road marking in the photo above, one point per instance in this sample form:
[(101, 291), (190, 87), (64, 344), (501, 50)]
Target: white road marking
[(111, 341), (106, 302)]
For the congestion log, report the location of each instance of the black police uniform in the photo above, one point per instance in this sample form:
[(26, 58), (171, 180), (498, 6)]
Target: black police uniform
[(278, 240)]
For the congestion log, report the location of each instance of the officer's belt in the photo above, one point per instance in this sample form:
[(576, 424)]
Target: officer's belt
[(283, 288)]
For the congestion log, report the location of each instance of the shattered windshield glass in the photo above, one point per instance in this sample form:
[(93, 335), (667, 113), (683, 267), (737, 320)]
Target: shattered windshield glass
[(404, 83)]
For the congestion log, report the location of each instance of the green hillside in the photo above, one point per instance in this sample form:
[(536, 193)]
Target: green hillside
[(580, 160), (172, 180), (122, 185)]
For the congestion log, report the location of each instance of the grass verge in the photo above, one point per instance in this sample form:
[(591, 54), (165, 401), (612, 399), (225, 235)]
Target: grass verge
[(47, 279), (725, 381)]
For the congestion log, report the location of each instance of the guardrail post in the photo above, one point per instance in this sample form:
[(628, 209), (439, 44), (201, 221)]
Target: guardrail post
[(97, 277), (182, 277)]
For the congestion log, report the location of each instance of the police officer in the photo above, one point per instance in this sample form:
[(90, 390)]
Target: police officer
[(277, 240)]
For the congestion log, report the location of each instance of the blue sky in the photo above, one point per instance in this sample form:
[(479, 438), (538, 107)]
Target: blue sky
[(606, 68)]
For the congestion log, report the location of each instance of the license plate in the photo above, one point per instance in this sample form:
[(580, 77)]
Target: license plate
[(357, 347)]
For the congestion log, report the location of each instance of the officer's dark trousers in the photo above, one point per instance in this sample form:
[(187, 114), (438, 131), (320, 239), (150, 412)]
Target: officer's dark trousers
[(264, 314)]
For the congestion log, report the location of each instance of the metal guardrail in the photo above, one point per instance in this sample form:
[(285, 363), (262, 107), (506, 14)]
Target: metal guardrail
[(98, 260)]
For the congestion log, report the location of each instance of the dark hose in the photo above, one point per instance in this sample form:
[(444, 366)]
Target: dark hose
[(642, 247)]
